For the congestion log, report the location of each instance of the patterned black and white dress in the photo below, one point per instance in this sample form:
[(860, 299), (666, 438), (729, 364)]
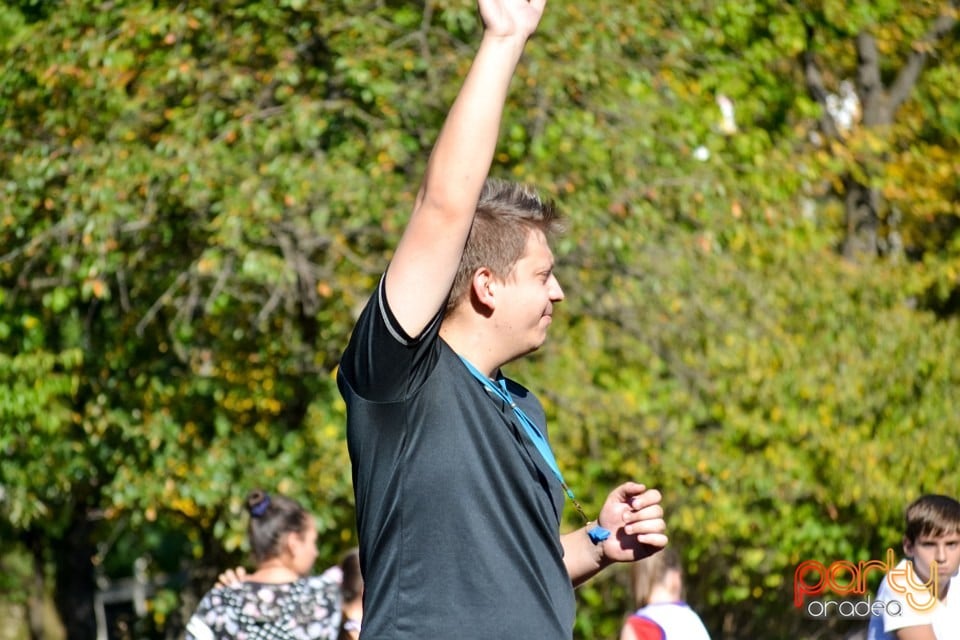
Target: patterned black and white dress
[(308, 609)]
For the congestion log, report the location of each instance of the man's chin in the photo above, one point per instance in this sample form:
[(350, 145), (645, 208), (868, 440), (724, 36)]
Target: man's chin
[(537, 344)]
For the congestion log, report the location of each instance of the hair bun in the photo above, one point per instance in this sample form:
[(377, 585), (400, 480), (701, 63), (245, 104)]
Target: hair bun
[(258, 502)]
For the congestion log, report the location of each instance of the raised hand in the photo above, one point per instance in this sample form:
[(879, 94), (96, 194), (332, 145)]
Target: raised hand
[(505, 18)]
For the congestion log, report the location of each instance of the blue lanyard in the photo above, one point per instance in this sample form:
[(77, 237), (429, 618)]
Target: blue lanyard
[(597, 534)]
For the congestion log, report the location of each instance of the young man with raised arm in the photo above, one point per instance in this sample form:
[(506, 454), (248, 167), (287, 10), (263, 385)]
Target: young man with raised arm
[(458, 496)]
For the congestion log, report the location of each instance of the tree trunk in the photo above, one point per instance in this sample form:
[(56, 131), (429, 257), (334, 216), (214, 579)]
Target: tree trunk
[(879, 102), (36, 600), (861, 204), (76, 584)]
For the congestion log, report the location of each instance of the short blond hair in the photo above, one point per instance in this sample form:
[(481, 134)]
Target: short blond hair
[(506, 214)]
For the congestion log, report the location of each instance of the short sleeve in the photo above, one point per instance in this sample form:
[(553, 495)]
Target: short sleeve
[(645, 628), (381, 362), (896, 612)]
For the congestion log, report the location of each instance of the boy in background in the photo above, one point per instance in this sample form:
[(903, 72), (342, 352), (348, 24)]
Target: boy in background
[(925, 584)]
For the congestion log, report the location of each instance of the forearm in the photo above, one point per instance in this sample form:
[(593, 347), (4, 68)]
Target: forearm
[(463, 153), (581, 556)]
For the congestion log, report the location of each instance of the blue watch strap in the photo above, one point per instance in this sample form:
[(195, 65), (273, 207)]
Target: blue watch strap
[(598, 534)]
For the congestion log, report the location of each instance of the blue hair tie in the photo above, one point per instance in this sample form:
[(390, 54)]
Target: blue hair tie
[(261, 507)]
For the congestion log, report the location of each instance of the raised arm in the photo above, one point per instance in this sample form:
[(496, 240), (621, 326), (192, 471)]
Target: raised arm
[(428, 254)]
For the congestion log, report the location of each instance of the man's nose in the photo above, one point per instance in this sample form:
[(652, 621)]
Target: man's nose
[(556, 291)]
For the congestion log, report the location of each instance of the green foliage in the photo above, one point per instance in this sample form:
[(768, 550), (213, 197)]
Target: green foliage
[(39, 432), (196, 201)]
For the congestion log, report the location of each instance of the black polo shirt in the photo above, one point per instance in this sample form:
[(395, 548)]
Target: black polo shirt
[(457, 512)]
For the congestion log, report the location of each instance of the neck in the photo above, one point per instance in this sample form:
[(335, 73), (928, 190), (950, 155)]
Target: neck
[(472, 345), (661, 594), (274, 571)]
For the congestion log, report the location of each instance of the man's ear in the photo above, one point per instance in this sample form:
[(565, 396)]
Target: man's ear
[(485, 284)]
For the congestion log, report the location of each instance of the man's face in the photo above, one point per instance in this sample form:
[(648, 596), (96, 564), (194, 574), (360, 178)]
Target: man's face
[(525, 309), (941, 553)]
